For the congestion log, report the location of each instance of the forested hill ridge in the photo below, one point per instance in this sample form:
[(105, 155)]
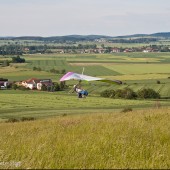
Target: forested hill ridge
[(161, 35), (59, 38), (165, 35)]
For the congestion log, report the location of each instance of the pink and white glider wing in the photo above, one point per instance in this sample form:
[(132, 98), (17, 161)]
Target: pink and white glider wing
[(75, 76)]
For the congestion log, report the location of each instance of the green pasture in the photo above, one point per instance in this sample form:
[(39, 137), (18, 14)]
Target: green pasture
[(163, 89), (24, 74), (43, 104), (61, 64), (135, 75), (140, 68)]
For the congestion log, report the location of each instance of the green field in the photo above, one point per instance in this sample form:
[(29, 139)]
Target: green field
[(42, 104), (137, 70), (91, 132)]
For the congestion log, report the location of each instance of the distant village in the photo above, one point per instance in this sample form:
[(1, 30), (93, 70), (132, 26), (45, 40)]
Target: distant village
[(32, 84), (77, 49), (102, 50)]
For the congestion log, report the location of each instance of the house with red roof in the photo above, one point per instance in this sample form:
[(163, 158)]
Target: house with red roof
[(31, 83), (35, 83)]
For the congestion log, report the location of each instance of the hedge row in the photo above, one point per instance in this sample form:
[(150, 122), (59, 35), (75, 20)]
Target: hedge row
[(128, 93)]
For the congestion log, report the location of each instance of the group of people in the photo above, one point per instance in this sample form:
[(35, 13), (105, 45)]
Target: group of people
[(80, 92)]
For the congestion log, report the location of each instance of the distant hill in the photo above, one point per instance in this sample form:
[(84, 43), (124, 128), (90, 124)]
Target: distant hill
[(155, 35), (63, 38), (75, 38), (163, 35)]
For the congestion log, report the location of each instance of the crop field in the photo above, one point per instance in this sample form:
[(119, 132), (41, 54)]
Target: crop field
[(131, 68), (136, 75), (61, 64), (136, 69)]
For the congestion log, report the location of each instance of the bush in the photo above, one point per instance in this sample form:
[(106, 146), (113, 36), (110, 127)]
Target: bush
[(108, 93), (158, 82), (36, 69), (27, 119), (14, 86), (18, 60), (127, 109), (63, 85), (44, 87), (54, 71), (148, 94), (56, 87), (63, 71), (126, 93), (118, 94), (12, 120)]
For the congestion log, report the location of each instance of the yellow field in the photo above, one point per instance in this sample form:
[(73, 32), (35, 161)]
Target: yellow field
[(138, 139)]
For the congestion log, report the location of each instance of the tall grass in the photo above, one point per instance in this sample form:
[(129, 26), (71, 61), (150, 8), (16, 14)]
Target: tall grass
[(137, 139)]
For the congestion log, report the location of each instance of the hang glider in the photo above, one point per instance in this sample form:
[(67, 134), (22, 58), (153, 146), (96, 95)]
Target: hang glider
[(75, 76)]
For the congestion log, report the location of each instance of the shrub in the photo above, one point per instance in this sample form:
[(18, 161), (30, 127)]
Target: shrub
[(63, 71), (107, 93), (54, 71), (18, 60), (14, 86), (12, 120), (118, 94), (112, 94), (148, 94), (63, 85), (128, 93), (158, 82), (36, 69), (127, 109), (44, 87), (27, 119), (56, 87)]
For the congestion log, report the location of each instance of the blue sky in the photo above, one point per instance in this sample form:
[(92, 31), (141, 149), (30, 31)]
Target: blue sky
[(66, 17)]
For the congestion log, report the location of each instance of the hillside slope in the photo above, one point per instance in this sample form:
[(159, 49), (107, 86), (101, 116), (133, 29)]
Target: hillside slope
[(137, 139)]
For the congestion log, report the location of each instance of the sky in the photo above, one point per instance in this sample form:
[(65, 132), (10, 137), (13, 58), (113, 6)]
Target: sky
[(83, 17)]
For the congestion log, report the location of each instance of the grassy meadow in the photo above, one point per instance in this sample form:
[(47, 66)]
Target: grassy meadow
[(18, 104), (133, 140), (92, 132)]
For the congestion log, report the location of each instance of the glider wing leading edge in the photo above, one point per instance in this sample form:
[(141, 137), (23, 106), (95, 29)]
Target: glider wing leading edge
[(75, 76)]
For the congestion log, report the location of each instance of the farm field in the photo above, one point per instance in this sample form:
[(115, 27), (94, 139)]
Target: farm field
[(17, 104), (135, 75), (132, 140), (91, 132)]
